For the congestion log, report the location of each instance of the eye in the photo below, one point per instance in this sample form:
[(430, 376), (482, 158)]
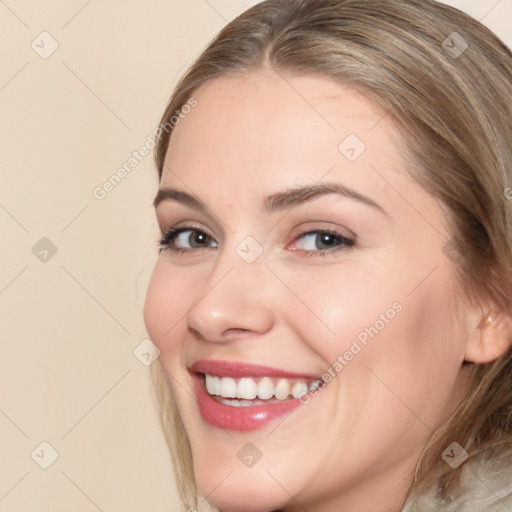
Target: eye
[(322, 242), (314, 243), (185, 239)]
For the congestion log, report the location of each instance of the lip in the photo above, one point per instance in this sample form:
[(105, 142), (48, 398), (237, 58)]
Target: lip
[(237, 369), (249, 418)]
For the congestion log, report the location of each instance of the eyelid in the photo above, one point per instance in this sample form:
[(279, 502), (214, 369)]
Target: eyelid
[(322, 225), (167, 213), (299, 231), (185, 225)]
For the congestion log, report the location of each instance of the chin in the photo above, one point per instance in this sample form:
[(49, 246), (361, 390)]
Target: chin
[(233, 489), (244, 500)]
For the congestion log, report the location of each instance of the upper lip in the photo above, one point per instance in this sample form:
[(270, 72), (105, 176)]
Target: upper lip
[(239, 369)]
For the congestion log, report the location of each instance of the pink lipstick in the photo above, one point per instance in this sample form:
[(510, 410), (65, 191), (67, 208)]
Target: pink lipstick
[(243, 397)]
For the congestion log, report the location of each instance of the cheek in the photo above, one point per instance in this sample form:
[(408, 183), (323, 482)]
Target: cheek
[(385, 342), (154, 307), (335, 305), (164, 308), (408, 369)]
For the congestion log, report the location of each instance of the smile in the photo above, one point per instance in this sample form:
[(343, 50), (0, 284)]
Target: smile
[(245, 397), (248, 389)]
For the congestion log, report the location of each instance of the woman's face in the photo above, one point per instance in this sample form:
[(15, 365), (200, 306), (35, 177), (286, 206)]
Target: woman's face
[(305, 252)]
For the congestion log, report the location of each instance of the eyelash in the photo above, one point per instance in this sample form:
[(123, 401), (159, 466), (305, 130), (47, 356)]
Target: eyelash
[(168, 238)]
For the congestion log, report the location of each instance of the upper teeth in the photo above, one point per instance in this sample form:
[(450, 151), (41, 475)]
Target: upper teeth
[(248, 388)]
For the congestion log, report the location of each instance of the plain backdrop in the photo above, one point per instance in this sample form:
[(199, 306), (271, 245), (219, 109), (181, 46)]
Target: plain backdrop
[(82, 85)]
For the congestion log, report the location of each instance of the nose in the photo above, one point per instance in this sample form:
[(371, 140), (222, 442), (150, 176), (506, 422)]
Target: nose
[(235, 300)]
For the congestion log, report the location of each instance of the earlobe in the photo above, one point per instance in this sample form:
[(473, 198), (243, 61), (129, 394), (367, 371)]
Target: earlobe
[(490, 339)]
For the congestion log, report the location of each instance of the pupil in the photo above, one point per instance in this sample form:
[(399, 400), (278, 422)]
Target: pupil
[(327, 239), (199, 238)]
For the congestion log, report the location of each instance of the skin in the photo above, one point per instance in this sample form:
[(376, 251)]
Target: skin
[(355, 445)]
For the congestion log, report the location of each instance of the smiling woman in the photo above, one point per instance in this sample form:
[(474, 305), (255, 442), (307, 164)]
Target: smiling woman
[(332, 300)]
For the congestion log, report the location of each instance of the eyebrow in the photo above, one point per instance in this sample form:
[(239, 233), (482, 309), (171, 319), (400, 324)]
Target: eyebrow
[(277, 201)]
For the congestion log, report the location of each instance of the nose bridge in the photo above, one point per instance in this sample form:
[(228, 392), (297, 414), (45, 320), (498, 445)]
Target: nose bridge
[(246, 259), (233, 296)]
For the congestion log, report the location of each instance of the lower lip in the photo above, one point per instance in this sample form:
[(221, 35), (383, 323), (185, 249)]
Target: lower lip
[(252, 417)]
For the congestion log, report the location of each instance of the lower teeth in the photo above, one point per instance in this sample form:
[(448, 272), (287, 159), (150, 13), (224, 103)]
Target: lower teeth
[(237, 402)]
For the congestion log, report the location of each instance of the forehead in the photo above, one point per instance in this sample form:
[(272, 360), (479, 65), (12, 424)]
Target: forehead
[(257, 133), (261, 120), (259, 105)]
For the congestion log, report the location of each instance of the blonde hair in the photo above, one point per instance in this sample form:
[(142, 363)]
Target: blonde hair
[(446, 82)]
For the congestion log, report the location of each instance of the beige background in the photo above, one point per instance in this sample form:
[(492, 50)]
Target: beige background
[(70, 321)]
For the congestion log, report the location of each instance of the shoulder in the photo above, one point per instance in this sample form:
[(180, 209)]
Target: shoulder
[(486, 486)]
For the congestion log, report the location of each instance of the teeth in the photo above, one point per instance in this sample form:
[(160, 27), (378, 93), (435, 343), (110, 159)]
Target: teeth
[(247, 389), (265, 388), (227, 387), (316, 385), (213, 385), (299, 389), (237, 403), (282, 390)]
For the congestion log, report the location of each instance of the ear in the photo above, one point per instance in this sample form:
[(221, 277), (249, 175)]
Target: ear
[(490, 338)]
